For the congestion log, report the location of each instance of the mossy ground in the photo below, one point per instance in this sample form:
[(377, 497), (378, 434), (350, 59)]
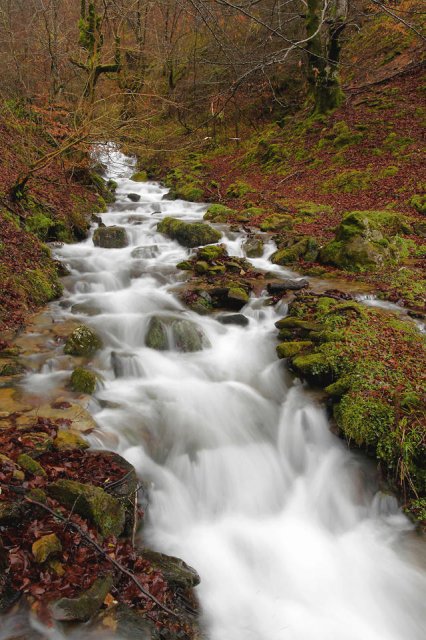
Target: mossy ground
[(372, 365)]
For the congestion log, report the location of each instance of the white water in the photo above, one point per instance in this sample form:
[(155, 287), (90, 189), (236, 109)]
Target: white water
[(286, 528)]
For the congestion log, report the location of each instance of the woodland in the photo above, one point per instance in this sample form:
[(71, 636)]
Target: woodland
[(296, 128)]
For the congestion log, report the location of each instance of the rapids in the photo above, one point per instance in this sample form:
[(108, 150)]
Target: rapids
[(286, 527)]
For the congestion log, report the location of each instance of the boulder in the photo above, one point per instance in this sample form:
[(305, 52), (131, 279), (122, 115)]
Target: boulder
[(46, 546), (189, 234), (253, 247), (175, 571), (139, 176), (106, 512), (134, 197), (156, 336), (212, 252), (277, 288), (187, 336), (237, 297), (128, 624), (83, 380), (69, 440), (28, 463), (233, 318), (83, 341), (84, 606), (114, 237), (63, 413), (303, 247)]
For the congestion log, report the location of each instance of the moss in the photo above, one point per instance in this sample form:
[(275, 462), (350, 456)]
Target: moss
[(276, 222), (339, 387), (290, 349), (185, 265), (219, 213), (348, 182), (389, 171), (364, 420), (83, 380), (238, 294), (40, 286), (69, 440), (210, 253), (139, 176), (340, 136), (418, 201), (113, 237), (46, 546), (189, 234), (28, 463), (201, 267), (82, 342), (305, 247), (238, 189), (105, 511), (85, 605), (312, 209), (156, 336), (314, 367)]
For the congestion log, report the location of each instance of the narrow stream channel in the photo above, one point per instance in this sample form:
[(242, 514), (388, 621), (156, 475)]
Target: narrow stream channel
[(286, 527)]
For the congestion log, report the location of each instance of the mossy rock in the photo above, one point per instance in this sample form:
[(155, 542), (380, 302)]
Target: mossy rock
[(238, 189), (104, 511), (46, 546), (291, 349), (213, 252), (418, 201), (113, 237), (156, 335), (219, 213), (253, 247), (84, 606), (83, 341), (188, 234), (83, 380), (11, 368), (237, 297), (187, 336), (177, 573), (69, 440), (298, 324), (201, 267), (185, 265), (28, 463), (276, 222), (314, 367), (305, 247), (139, 176), (339, 387), (364, 420), (11, 512), (10, 465)]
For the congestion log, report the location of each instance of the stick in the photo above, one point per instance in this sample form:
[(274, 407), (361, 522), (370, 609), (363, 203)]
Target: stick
[(116, 564)]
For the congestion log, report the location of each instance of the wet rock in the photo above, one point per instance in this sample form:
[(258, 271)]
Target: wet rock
[(83, 607), (139, 176), (189, 234), (69, 440), (291, 349), (63, 413), (305, 247), (10, 402), (277, 288), (28, 463), (253, 247), (46, 546), (11, 367), (61, 269), (93, 503), (143, 253), (156, 336), (134, 197), (237, 297), (213, 252), (129, 491), (188, 337), (175, 570), (85, 308), (83, 341), (114, 237), (83, 380), (234, 318), (128, 624)]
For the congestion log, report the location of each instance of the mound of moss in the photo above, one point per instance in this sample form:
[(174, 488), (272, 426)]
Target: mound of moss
[(83, 380), (370, 363), (189, 234), (82, 342)]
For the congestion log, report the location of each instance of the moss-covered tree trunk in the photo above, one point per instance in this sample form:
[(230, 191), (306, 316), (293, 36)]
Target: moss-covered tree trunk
[(324, 26)]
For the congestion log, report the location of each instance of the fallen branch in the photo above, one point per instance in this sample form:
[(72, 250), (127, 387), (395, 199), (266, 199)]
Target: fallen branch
[(104, 554)]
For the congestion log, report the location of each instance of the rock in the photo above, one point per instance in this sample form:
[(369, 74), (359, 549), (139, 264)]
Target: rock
[(83, 380), (304, 247), (253, 247), (139, 176), (219, 213), (10, 367), (11, 512), (82, 342), (86, 308), (61, 269), (134, 197), (128, 624), (10, 402), (201, 267), (69, 440), (237, 297), (36, 443), (83, 607), (187, 336), (188, 234), (277, 288), (45, 547), (233, 318), (314, 368), (212, 252), (63, 413), (143, 253), (290, 349), (156, 336), (93, 503), (28, 463), (9, 465), (126, 489), (175, 570), (110, 237)]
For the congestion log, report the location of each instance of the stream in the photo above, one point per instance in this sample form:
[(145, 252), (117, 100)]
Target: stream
[(286, 527)]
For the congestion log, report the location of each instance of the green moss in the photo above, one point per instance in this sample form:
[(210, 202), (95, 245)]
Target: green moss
[(305, 247), (290, 349), (238, 189), (32, 466), (364, 420), (212, 252), (40, 286), (156, 336), (46, 546), (69, 440), (314, 367), (276, 222), (389, 171), (418, 201), (340, 136), (82, 342), (83, 380), (139, 176), (185, 265), (348, 182), (189, 234), (312, 209), (219, 213)]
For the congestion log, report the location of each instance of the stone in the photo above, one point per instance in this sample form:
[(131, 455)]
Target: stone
[(10, 403), (83, 380), (86, 308), (187, 336), (189, 234), (69, 440), (253, 247), (113, 237), (305, 247), (9, 465), (156, 336), (28, 463), (174, 570), (233, 318), (134, 197), (46, 546), (128, 624), (139, 176), (84, 606), (237, 297), (106, 512), (277, 288), (212, 252), (63, 413), (290, 349), (83, 341), (11, 512)]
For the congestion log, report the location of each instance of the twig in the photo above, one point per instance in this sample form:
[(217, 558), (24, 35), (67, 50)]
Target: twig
[(116, 564)]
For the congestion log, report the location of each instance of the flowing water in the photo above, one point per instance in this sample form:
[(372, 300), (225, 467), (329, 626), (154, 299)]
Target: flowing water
[(286, 527)]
